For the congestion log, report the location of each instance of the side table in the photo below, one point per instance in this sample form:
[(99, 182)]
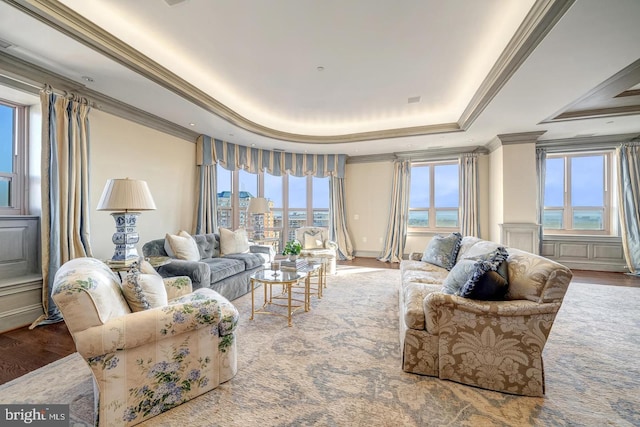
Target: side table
[(287, 279)]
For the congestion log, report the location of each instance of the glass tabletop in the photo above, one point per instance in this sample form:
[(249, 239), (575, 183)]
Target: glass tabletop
[(277, 276)]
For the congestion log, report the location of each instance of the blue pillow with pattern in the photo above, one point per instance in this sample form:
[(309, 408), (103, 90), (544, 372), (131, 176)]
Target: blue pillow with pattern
[(443, 250), (484, 277)]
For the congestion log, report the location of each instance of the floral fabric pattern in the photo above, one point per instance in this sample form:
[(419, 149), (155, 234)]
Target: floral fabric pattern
[(146, 362), (495, 345)]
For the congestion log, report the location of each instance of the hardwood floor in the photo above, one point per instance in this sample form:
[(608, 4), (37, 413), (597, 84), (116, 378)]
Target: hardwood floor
[(24, 350)]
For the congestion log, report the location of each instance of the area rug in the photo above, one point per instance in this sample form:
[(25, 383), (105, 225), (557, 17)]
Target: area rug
[(339, 365)]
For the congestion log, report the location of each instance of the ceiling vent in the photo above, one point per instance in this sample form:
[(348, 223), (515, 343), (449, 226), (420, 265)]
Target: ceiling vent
[(414, 99), (173, 2)]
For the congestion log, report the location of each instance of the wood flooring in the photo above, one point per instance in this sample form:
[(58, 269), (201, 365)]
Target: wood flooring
[(24, 350)]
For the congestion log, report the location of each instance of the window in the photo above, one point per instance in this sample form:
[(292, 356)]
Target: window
[(13, 119), (294, 201), (577, 196), (434, 196)]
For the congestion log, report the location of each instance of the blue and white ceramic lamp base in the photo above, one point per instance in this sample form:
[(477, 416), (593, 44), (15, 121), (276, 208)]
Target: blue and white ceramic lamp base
[(126, 237)]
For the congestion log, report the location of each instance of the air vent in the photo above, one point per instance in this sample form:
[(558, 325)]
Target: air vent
[(173, 2), (414, 99)]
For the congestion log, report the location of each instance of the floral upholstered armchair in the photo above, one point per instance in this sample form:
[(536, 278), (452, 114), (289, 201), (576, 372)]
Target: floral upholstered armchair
[(316, 244), (151, 343)]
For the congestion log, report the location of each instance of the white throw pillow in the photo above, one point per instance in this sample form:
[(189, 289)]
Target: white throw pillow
[(143, 291), (233, 242), (182, 246), (312, 241)]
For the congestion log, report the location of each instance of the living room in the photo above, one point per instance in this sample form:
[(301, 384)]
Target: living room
[(587, 46)]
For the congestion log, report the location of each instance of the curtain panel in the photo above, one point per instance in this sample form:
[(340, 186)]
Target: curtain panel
[(232, 156), (65, 189), (206, 220), (628, 156), (338, 219), (469, 224), (541, 170), (398, 216)]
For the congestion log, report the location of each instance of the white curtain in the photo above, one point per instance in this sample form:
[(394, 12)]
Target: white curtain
[(65, 189), (398, 216), (338, 218), (629, 203), (207, 211), (469, 224)]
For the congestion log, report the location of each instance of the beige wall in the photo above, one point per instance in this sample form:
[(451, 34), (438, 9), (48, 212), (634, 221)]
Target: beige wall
[(121, 149), (519, 164), (368, 193), (496, 195)]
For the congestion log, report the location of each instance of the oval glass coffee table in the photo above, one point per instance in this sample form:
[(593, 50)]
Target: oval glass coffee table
[(286, 279)]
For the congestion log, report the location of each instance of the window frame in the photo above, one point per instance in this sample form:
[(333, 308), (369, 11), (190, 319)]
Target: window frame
[(282, 233), (568, 211), (432, 209), (18, 180)]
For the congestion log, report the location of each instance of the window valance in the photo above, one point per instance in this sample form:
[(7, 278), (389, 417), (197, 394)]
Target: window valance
[(210, 151)]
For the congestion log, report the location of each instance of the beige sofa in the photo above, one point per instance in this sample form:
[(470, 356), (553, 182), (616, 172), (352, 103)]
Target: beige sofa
[(495, 345)]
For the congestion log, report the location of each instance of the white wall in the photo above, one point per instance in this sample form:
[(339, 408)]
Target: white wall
[(121, 149)]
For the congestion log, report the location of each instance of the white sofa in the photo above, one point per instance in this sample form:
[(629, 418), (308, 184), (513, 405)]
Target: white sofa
[(495, 345)]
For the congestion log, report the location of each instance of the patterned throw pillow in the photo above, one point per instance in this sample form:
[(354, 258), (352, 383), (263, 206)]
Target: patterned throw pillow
[(181, 246), (233, 242), (483, 277), (443, 250), (143, 291)]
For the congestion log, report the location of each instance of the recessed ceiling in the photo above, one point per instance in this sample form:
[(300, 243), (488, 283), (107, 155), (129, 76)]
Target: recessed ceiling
[(356, 77)]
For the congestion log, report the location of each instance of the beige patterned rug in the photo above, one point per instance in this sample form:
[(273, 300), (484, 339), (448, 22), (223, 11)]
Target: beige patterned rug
[(339, 365)]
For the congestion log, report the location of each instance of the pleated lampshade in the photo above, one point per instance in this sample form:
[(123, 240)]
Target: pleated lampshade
[(126, 195)]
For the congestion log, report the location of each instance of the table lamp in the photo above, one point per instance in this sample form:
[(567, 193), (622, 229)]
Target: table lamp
[(258, 206), (127, 197)]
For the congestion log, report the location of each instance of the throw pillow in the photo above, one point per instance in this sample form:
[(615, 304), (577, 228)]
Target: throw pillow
[(313, 241), (458, 276), (443, 250), (182, 246), (143, 291), (233, 242), (491, 286)]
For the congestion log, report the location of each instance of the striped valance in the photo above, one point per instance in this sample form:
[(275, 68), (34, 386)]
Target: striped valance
[(230, 156)]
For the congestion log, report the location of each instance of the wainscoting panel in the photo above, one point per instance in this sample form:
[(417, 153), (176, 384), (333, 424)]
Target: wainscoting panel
[(20, 275), (586, 252), (523, 236)]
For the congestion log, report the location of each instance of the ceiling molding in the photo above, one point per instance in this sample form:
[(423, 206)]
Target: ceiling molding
[(613, 97), (30, 78), (420, 155), (539, 21), (513, 138), (542, 17), (586, 143)]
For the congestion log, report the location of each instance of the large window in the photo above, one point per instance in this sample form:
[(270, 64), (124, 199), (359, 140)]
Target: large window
[(293, 201), (577, 193), (12, 158), (434, 196)]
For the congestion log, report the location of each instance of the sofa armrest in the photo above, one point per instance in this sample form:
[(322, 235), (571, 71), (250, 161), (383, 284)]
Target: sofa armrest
[(144, 327), (266, 251), (439, 309), (177, 286), (198, 272)]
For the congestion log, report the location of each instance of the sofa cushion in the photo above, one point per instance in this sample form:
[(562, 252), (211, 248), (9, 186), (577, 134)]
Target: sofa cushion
[(443, 250), (233, 242), (182, 246), (413, 297), (224, 267), (467, 277), (208, 245), (251, 260)]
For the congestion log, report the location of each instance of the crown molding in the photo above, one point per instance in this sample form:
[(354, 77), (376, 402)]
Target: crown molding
[(30, 78), (513, 138), (598, 142), (420, 155), (542, 17)]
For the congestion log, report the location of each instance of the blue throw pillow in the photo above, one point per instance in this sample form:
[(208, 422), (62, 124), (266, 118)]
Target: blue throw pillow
[(443, 250), (484, 277)]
